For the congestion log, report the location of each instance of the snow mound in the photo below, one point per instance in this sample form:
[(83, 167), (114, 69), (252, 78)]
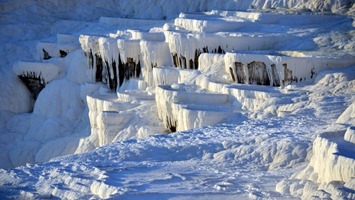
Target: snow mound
[(330, 173)]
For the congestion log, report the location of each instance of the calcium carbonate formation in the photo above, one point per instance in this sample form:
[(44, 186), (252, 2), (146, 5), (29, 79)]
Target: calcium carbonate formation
[(194, 71), (253, 47)]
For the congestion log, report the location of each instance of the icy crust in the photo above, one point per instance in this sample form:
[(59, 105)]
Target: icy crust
[(105, 117), (134, 90), (252, 98), (129, 49), (165, 75), (110, 60), (90, 47), (190, 116), (186, 47), (111, 116), (154, 54), (278, 70), (181, 108), (206, 60)]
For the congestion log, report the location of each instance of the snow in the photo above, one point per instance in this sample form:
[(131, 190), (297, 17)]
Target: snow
[(259, 95)]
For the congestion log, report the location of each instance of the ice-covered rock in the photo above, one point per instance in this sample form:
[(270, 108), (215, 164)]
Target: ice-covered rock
[(278, 70), (251, 97), (90, 47), (110, 60), (174, 109), (109, 69), (165, 75), (105, 117), (186, 47), (195, 115), (36, 75), (154, 54)]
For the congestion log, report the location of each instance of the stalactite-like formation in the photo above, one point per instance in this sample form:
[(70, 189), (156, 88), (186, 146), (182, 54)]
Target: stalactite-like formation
[(34, 82), (171, 124), (241, 78), (258, 74), (182, 62), (275, 75)]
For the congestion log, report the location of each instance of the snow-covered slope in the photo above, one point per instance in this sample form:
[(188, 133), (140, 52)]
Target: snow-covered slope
[(248, 92)]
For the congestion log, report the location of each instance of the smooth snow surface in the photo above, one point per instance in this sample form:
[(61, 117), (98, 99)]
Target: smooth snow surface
[(193, 99)]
